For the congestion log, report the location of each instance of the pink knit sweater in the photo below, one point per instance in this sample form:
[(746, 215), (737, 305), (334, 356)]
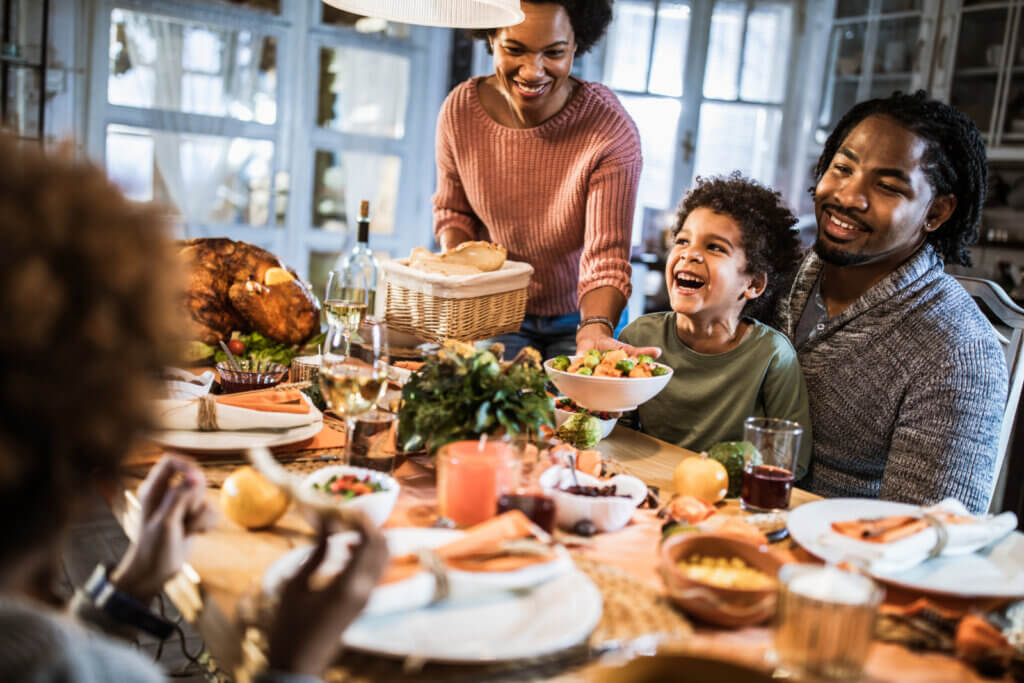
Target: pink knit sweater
[(559, 196)]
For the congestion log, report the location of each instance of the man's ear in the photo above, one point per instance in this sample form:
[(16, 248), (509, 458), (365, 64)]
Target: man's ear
[(756, 286), (939, 212)]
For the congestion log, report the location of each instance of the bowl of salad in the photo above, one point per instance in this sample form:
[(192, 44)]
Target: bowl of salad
[(565, 408), (611, 381), (372, 492)]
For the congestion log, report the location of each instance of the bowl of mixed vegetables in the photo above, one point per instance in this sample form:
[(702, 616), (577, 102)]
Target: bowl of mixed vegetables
[(610, 381), (372, 492)]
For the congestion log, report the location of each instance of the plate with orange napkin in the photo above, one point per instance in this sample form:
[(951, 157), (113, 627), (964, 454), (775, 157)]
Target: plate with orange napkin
[(234, 422), (940, 549), (500, 605)]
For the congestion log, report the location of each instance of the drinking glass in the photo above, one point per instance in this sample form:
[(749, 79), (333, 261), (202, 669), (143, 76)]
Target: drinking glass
[(526, 494), (353, 376), (348, 298), (373, 441), (825, 622), (768, 479)]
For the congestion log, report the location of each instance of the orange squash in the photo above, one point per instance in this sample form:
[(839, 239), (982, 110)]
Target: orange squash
[(702, 478)]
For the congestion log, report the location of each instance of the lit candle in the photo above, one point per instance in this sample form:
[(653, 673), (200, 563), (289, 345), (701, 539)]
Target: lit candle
[(471, 476)]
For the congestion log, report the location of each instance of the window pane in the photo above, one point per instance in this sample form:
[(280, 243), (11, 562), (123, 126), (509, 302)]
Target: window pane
[(342, 179), (320, 265), (766, 53), (670, 42), (901, 6), (897, 39), (207, 178), (739, 137), (629, 46), (851, 8), (364, 92), (336, 17), (724, 50), (657, 120), (178, 65)]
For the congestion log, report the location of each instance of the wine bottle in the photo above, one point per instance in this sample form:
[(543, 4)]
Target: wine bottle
[(360, 262)]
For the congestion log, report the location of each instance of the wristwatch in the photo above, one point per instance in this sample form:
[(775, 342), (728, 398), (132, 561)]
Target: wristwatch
[(122, 607)]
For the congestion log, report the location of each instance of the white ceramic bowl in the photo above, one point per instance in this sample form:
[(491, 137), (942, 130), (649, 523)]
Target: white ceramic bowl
[(376, 506), (613, 394), (608, 513), (606, 425)]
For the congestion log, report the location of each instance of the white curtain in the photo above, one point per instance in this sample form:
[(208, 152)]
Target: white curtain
[(193, 166)]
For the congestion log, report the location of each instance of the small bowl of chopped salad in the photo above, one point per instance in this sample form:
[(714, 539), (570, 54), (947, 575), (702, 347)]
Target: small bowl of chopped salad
[(611, 381), (372, 492), (565, 408)]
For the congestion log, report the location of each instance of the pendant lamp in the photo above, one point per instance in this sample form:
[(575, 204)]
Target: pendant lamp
[(447, 13)]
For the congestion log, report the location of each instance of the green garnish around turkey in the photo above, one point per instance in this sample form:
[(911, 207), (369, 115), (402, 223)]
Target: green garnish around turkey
[(461, 393)]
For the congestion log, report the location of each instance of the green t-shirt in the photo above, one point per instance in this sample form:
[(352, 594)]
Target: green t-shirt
[(710, 395)]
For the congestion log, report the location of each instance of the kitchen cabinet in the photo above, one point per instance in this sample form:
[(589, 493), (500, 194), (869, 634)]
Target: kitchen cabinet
[(23, 67)]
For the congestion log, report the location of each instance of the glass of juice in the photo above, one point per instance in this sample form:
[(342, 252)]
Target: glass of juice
[(825, 622), (526, 495), (768, 474), (471, 475)]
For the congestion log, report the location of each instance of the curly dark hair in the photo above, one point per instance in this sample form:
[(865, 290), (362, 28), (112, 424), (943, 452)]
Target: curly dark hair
[(766, 225), (589, 19), (954, 161), (87, 298)]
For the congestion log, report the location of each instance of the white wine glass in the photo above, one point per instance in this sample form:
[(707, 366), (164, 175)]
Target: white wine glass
[(348, 298), (353, 376)]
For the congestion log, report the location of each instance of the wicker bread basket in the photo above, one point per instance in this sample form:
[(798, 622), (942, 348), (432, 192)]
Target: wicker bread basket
[(464, 307)]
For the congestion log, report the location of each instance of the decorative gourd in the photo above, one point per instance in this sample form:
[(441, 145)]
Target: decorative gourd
[(702, 478)]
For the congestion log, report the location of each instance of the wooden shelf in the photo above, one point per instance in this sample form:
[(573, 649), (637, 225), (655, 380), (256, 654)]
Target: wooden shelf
[(976, 71)]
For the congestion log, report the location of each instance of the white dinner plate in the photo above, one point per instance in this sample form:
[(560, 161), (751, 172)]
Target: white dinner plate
[(496, 626), (993, 571), (235, 441)]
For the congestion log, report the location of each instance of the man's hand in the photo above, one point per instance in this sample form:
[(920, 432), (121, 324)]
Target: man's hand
[(305, 635), (596, 336), (174, 509)]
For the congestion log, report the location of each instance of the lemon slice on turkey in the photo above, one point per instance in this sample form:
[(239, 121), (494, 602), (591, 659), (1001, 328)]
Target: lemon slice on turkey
[(275, 276)]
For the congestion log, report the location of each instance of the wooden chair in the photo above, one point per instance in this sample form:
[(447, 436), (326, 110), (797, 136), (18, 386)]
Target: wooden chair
[(1008, 320)]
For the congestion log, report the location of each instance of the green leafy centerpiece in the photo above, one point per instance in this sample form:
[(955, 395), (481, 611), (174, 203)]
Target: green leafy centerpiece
[(461, 393)]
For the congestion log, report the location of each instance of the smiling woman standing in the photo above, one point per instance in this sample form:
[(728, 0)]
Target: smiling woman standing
[(547, 166)]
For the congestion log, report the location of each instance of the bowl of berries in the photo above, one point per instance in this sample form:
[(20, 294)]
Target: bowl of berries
[(373, 493), (611, 381), (607, 504)]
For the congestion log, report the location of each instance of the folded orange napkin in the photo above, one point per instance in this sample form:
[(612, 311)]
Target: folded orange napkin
[(480, 549), (271, 401), (889, 529)]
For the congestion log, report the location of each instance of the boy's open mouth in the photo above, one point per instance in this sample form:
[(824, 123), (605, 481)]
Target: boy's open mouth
[(687, 281)]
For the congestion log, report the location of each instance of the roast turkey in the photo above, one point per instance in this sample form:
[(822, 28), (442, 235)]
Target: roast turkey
[(225, 292)]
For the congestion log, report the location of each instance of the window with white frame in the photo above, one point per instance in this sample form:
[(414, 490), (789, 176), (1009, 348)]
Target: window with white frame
[(269, 120), (705, 84)]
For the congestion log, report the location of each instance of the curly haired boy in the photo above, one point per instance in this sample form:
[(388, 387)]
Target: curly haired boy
[(735, 250)]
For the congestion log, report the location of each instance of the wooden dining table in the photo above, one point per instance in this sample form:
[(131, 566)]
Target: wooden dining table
[(224, 571)]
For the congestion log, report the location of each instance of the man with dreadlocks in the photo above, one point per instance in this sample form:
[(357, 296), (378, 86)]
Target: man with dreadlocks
[(905, 377)]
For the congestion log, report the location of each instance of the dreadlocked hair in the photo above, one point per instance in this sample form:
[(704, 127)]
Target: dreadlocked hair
[(769, 243), (954, 161)]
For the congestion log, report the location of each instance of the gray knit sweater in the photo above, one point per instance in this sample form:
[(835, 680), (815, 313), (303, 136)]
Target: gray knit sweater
[(906, 387)]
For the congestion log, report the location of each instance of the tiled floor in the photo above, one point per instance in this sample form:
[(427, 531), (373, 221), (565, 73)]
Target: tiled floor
[(98, 538)]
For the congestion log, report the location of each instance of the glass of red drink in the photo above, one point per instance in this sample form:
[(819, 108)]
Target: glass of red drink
[(526, 495), (768, 478)]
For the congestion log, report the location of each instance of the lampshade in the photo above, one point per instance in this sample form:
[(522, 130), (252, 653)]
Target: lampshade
[(448, 13)]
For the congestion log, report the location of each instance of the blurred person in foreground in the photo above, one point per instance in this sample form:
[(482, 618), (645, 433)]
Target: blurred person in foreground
[(86, 296), (905, 376)]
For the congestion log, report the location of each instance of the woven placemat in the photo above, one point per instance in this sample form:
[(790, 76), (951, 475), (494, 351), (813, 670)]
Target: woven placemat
[(633, 613)]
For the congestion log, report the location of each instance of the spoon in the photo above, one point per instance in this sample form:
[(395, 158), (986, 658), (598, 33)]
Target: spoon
[(572, 469), (231, 356)]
